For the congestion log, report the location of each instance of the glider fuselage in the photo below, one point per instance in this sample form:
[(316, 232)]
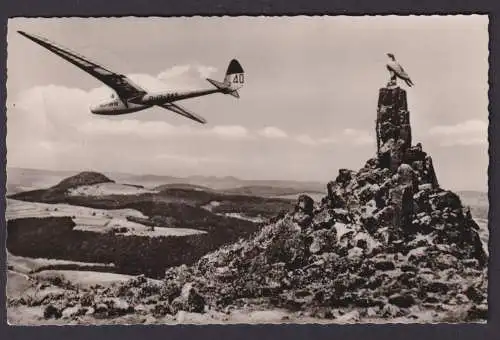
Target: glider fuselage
[(118, 106)]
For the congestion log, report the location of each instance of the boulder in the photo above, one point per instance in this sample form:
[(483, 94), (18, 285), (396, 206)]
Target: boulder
[(71, 312), (390, 311), (189, 300), (429, 173), (51, 311), (445, 199), (302, 219), (477, 312), (334, 200), (344, 177), (402, 300), (304, 209), (383, 264), (437, 286), (349, 317), (372, 312), (407, 177), (161, 309), (305, 204), (475, 294), (117, 306), (322, 240), (445, 261)]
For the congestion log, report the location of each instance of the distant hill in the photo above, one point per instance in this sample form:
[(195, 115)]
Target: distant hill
[(83, 178), (474, 197), (29, 179), (183, 186), (219, 183), (477, 201), (61, 189), (269, 191)]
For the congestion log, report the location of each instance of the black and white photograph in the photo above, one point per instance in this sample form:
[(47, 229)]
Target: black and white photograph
[(247, 170)]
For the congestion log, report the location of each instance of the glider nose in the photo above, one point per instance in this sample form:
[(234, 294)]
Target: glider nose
[(93, 108)]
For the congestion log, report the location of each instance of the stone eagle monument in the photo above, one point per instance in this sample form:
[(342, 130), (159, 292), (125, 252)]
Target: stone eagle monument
[(397, 71)]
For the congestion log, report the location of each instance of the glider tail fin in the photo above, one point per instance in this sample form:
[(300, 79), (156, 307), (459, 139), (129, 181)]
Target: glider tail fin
[(233, 81)]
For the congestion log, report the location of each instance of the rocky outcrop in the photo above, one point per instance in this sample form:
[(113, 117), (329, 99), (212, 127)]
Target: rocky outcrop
[(385, 242), (392, 127), (394, 137), (189, 300), (304, 210)]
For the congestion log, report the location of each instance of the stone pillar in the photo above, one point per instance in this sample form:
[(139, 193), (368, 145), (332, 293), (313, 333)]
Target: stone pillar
[(392, 127), (429, 172)]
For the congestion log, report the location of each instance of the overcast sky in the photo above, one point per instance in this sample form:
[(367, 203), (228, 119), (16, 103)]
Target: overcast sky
[(307, 109)]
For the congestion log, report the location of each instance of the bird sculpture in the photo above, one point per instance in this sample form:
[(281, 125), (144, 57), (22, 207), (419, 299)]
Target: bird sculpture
[(397, 71)]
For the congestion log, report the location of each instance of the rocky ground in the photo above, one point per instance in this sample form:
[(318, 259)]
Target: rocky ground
[(386, 244), (315, 264), (342, 260)]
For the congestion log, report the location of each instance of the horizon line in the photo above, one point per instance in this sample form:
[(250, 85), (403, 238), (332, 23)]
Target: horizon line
[(483, 190)]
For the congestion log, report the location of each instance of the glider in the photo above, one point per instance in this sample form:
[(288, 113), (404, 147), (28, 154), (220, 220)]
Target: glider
[(397, 71), (131, 97)]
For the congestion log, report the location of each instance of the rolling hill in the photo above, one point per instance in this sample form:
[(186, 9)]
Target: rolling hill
[(37, 179), (65, 235)]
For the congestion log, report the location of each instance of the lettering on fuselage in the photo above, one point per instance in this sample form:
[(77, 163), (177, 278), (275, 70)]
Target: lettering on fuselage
[(162, 97), (118, 107), (111, 104)]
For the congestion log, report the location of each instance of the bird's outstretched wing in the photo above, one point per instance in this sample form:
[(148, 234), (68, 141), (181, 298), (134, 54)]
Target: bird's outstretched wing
[(123, 86), (183, 112)]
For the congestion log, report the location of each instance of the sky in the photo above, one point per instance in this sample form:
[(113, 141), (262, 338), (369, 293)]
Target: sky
[(307, 109)]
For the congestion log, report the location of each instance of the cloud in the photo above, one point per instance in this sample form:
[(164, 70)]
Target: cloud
[(234, 131), (132, 127), (470, 132), (52, 126), (53, 103), (174, 71), (306, 139), (469, 126), (58, 113), (350, 137), (206, 71), (184, 77), (272, 132), (357, 137), (192, 161), (154, 130)]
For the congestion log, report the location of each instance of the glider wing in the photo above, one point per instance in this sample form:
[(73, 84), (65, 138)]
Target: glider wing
[(183, 112), (123, 86)]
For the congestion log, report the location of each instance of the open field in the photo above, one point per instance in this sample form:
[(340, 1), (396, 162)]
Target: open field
[(316, 196), (105, 189), (90, 219), (28, 265), (94, 220)]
